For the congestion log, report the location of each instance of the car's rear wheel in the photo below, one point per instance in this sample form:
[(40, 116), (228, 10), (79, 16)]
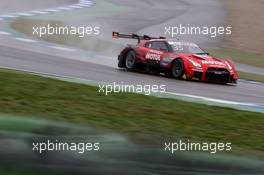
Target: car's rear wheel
[(177, 70), (130, 60)]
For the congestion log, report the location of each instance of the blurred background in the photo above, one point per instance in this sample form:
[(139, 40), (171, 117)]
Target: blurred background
[(49, 90)]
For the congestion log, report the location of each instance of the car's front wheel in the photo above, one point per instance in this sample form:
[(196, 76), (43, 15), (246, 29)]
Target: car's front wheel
[(177, 70), (130, 61)]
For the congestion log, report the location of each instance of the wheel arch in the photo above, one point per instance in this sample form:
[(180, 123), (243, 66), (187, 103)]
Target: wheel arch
[(172, 62), (122, 56)]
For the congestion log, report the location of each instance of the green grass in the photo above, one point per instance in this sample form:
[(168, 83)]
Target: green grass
[(21, 171), (251, 76), (144, 119), (239, 56)]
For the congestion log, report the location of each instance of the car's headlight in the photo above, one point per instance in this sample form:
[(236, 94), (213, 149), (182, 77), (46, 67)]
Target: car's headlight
[(195, 64), (228, 65)]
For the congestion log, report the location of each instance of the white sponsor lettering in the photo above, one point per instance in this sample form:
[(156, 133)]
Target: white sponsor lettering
[(213, 62), (152, 56)]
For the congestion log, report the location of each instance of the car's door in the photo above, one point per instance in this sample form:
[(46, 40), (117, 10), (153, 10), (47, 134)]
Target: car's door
[(156, 50)]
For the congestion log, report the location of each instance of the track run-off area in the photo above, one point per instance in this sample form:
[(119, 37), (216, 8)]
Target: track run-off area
[(22, 53)]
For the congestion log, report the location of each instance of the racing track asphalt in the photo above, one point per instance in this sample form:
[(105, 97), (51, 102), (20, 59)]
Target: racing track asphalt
[(43, 60), (45, 63), (11, 6)]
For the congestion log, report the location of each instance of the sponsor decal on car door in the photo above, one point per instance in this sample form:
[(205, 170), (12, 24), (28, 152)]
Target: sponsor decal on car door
[(154, 55)]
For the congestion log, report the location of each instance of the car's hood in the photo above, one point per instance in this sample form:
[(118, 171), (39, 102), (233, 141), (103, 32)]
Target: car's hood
[(208, 60)]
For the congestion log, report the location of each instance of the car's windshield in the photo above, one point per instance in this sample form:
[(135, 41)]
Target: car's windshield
[(186, 48)]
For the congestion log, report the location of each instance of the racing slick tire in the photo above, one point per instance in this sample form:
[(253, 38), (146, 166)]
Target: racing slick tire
[(121, 62), (130, 60), (177, 69)]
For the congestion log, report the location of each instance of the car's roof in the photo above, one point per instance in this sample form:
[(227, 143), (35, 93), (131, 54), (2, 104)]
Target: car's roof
[(158, 40), (171, 41), (185, 43)]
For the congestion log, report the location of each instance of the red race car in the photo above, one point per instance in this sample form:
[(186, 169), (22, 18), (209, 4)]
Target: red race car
[(177, 59)]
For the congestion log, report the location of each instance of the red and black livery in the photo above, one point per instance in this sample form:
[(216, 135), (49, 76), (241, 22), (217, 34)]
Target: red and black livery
[(177, 59)]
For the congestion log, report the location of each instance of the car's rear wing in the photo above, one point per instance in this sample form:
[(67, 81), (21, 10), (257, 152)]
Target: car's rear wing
[(117, 35)]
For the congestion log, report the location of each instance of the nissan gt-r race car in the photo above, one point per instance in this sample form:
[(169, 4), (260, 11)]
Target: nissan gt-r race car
[(177, 59)]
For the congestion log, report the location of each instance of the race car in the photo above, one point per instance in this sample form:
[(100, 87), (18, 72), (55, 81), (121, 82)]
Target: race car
[(177, 59)]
